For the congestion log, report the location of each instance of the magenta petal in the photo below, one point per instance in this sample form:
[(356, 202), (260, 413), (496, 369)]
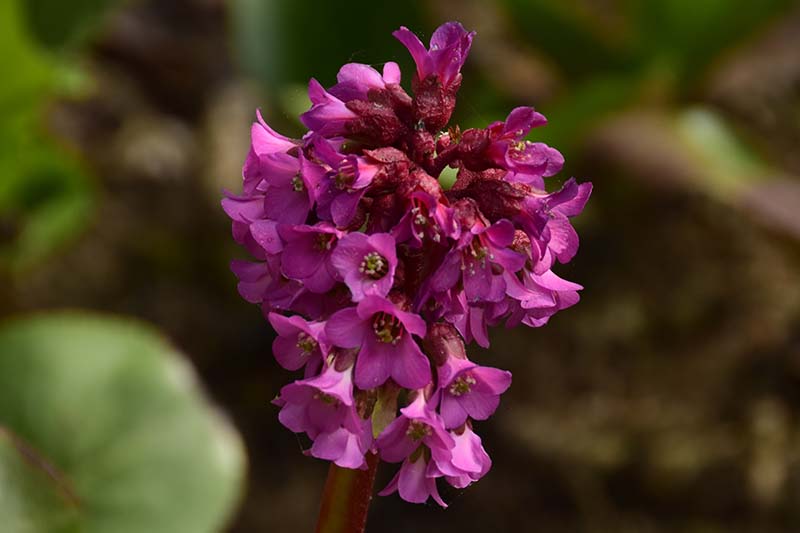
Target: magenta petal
[(563, 239), (288, 355), (299, 260), (243, 208), (453, 414), (320, 282), (266, 141), (448, 273), (373, 365), (354, 82), (574, 206), (340, 446), (410, 367), (413, 323), (491, 380), (343, 207), (265, 234), (345, 328), (292, 417), (323, 417), (415, 48), (501, 233), (391, 72), (521, 120), (393, 443), (477, 282), (286, 205), (479, 406), (412, 484)]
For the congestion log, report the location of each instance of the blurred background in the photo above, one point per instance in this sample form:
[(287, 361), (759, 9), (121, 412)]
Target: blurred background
[(667, 400)]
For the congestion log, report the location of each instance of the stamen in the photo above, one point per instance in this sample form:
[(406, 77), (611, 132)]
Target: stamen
[(324, 241), (418, 430), (387, 328), (461, 385), (306, 343), (326, 398), (374, 265)]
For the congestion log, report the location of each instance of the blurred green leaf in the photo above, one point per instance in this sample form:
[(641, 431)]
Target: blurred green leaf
[(686, 36), (726, 162), (115, 409), (37, 502), (577, 112), (284, 41), (570, 36), (56, 23), (45, 196)]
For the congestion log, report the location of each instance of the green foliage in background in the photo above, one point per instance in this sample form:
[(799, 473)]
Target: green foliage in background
[(45, 195), (117, 414)]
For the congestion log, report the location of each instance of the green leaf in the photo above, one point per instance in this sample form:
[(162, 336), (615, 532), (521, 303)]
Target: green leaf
[(285, 41), (573, 37), (685, 36), (37, 502), (45, 196), (727, 162), (56, 23), (578, 111), (119, 413)]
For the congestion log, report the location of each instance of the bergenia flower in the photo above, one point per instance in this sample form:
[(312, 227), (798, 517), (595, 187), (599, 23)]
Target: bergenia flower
[(307, 254), (290, 185), (319, 404), (384, 335), (478, 259), (346, 445), (328, 115), (449, 47), (528, 162), (356, 80), (414, 481), (376, 279), (343, 186), (469, 456), (367, 263), (299, 342), (469, 390), (264, 141)]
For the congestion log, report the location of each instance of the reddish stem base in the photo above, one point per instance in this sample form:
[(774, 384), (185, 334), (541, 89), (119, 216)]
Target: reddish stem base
[(346, 498)]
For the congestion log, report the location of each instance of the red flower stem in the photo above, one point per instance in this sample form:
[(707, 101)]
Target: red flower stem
[(346, 498)]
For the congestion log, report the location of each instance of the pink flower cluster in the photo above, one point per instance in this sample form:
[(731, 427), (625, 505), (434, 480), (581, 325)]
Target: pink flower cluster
[(374, 277)]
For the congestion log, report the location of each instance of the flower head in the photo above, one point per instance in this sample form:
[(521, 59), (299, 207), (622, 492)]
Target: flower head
[(375, 278)]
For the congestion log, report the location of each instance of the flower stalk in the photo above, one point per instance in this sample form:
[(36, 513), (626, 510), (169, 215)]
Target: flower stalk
[(346, 498)]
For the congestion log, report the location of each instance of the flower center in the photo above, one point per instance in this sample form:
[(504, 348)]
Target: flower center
[(346, 176), (475, 254), (297, 184), (324, 241), (387, 328), (374, 265), (306, 343), (418, 430), (326, 398), (461, 385)]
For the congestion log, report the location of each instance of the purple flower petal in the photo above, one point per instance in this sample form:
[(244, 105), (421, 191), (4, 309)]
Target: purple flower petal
[(346, 329)]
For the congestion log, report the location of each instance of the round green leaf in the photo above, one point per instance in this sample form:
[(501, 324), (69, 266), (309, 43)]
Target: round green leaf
[(38, 502), (119, 414)]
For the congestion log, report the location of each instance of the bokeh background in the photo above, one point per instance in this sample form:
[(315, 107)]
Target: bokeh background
[(667, 400)]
